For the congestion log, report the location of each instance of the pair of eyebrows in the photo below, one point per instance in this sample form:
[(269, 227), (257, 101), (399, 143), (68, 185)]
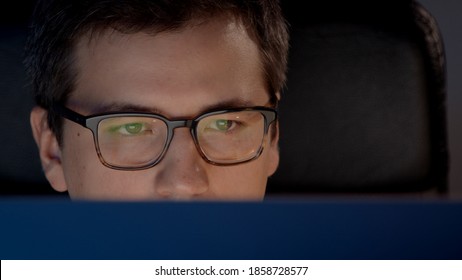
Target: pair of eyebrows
[(115, 107)]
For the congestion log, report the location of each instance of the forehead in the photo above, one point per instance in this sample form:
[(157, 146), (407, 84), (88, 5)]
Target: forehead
[(215, 56)]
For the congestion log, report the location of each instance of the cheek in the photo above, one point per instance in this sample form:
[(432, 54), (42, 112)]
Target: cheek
[(78, 147), (244, 181), (79, 159), (88, 178)]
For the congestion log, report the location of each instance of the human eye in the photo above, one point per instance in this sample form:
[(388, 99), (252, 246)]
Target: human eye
[(223, 125), (129, 127), (132, 128), (233, 123)]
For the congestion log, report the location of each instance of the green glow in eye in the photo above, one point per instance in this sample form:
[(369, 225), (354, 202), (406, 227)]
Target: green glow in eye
[(133, 128), (223, 125)]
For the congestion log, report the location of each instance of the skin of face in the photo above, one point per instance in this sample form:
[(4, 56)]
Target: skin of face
[(178, 74)]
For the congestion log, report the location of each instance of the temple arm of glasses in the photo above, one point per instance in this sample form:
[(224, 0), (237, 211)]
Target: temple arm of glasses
[(69, 114)]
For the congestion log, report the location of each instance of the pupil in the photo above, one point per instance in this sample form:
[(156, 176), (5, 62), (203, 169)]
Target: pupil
[(223, 124), (133, 128)]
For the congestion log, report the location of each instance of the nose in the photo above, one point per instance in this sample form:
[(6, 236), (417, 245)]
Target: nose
[(182, 172)]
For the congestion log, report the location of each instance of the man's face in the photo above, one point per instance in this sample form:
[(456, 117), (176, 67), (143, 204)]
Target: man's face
[(177, 74)]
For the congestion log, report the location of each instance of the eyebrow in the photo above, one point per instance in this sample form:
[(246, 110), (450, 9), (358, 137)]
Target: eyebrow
[(123, 107), (127, 107)]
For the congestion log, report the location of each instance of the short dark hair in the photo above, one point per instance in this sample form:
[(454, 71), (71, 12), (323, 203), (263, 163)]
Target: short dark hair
[(57, 26)]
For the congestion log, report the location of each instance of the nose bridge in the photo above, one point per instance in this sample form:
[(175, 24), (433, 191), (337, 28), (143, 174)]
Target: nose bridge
[(181, 172), (181, 123), (173, 125)]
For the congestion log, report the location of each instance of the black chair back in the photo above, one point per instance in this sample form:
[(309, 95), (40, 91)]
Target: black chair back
[(364, 107)]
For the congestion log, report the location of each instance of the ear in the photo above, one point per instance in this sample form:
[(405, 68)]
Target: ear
[(49, 150), (273, 153)]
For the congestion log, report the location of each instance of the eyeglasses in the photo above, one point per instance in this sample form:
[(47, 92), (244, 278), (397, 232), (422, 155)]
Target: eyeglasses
[(135, 141)]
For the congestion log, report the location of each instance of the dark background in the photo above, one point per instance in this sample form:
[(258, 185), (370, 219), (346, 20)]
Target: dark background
[(448, 14)]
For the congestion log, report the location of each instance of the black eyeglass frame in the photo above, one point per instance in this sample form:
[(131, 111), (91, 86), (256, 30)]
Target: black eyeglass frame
[(91, 122)]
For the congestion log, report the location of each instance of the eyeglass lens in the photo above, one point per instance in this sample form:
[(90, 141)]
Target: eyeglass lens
[(131, 141)]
